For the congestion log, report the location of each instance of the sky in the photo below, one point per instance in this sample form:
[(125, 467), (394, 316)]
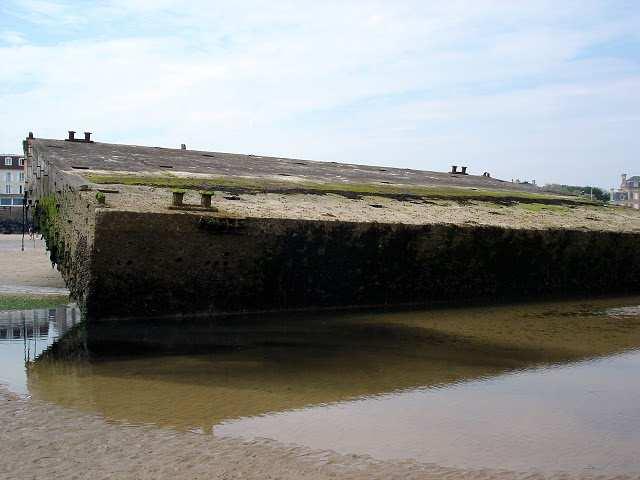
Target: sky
[(542, 90)]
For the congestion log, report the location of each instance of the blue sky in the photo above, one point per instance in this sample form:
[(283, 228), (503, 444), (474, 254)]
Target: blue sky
[(535, 89)]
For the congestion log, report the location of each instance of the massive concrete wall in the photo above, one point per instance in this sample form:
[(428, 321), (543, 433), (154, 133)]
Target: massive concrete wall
[(128, 262), (66, 222), (121, 264), (64, 213), (164, 264)]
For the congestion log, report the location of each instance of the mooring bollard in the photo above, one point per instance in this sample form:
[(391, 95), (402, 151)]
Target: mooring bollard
[(454, 169), (205, 199), (464, 170), (178, 197)]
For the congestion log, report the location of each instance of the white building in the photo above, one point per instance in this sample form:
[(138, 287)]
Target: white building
[(628, 194), (11, 180)]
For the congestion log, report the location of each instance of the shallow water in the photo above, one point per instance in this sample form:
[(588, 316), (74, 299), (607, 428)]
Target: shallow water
[(583, 417), (24, 335), (545, 387)]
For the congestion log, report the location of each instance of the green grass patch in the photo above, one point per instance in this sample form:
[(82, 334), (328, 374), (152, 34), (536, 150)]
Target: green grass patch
[(257, 185), (30, 302), (181, 184)]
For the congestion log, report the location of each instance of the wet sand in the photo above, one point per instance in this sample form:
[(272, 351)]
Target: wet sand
[(28, 271), (39, 440)]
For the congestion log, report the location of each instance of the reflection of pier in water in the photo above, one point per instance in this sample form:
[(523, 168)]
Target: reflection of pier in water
[(250, 366), (37, 329)]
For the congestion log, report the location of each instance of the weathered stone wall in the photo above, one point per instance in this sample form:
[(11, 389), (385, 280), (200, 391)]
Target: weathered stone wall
[(164, 264), (65, 216), (66, 222), (119, 263)]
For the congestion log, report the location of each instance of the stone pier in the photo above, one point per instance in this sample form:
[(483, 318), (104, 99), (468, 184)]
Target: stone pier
[(155, 232)]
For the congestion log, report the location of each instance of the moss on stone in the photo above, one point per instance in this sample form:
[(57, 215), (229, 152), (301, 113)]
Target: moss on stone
[(46, 218), (260, 185)]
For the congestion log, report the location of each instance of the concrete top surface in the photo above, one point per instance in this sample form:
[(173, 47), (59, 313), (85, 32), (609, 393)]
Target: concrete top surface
[(107, 157), (376, 209), (84, 161)]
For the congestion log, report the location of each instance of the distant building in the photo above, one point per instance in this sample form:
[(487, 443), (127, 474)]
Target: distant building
[(11, 180), (628, 194)]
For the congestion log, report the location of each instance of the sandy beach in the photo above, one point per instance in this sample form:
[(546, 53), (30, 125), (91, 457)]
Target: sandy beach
[(29, 271), (42, 441)]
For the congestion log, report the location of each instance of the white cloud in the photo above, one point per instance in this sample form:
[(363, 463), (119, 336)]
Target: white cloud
[(503, 84), (12, 38)]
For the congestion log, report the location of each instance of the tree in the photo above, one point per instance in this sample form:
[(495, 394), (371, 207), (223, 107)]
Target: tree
[(598, 193)]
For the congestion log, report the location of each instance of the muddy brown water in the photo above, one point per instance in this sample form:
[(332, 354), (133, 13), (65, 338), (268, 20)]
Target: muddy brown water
[(542, 387)]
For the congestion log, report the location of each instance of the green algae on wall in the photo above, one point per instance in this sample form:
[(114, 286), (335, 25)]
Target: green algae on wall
[(47, 218), (65, 222)]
